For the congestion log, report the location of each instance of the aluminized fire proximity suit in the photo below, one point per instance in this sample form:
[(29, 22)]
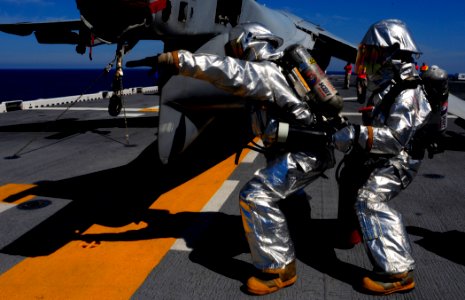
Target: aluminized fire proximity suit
[(264, 223), (252, 72), (387, 145)]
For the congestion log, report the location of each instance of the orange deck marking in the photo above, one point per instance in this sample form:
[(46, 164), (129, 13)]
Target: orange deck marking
[(150, 109), (14, 189), (114, 269)]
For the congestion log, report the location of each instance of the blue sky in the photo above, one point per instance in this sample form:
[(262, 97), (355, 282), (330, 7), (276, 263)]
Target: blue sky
[(438, 28)]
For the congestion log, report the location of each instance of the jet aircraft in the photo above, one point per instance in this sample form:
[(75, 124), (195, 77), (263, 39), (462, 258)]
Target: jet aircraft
[(187, 105)]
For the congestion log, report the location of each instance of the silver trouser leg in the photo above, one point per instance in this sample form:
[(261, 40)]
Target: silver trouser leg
[(264, 223), (383, 230)]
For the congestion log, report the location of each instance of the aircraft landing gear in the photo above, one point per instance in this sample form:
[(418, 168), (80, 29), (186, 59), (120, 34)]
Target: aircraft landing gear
[(115, 105)]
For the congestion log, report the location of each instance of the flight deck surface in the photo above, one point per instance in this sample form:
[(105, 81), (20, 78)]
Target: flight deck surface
[(87, 211)]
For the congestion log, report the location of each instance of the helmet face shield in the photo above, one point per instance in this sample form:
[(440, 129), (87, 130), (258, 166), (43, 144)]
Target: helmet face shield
[(252, 42), (370, 58), (258, 50), (235, 46)]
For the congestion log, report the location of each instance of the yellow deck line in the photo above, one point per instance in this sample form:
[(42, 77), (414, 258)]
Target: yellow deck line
[(109, 269), (150, 109), (12, 189)]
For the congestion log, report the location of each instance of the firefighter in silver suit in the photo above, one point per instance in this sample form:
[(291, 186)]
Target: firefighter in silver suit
[(250, 71), (386, 148)]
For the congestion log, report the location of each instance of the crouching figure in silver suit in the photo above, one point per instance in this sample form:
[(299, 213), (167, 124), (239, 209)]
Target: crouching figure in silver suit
[(251, 71), (382, 156)]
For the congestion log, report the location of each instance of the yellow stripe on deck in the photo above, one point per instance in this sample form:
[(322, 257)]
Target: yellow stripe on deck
[(12, 189), (110, 269), (150, 109)]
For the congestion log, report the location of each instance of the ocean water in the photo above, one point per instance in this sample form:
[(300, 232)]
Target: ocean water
[(32, 84)]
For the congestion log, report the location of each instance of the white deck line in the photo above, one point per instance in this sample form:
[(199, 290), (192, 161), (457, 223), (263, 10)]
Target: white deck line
[(217, 200), (12, 105)]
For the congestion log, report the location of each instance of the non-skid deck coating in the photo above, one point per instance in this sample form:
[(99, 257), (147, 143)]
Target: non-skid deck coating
[(87, 214)]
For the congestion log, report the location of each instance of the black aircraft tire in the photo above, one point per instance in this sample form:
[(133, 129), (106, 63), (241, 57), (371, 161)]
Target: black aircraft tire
[(115, 105)]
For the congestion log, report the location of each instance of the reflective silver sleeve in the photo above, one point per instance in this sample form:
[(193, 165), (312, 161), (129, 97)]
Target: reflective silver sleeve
[(256, 80), (409, 112)]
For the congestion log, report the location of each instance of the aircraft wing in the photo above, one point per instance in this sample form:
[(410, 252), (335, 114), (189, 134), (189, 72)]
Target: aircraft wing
[(456, 106), (324, 40), (59, 32), (197, 26)]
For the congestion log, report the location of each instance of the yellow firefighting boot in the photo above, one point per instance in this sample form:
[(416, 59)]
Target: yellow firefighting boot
[(388, 284), (270, 281)]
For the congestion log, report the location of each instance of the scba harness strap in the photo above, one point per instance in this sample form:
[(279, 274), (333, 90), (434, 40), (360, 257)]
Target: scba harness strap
[(396, 89), (424, 139)]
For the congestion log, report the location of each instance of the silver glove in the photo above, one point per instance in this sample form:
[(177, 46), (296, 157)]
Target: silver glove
[(343, 139)]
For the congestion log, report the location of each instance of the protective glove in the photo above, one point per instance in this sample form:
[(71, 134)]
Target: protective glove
[(271, 133), (343, 139), (167, 59), (299, 112)]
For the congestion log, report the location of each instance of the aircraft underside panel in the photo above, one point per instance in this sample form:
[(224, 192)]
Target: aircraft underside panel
[(228, 12), (187, 105), (179, 123), (193, 18), (175, 131)]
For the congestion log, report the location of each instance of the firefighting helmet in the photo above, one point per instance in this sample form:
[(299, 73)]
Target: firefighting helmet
[(385, 40), (253, 42)]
